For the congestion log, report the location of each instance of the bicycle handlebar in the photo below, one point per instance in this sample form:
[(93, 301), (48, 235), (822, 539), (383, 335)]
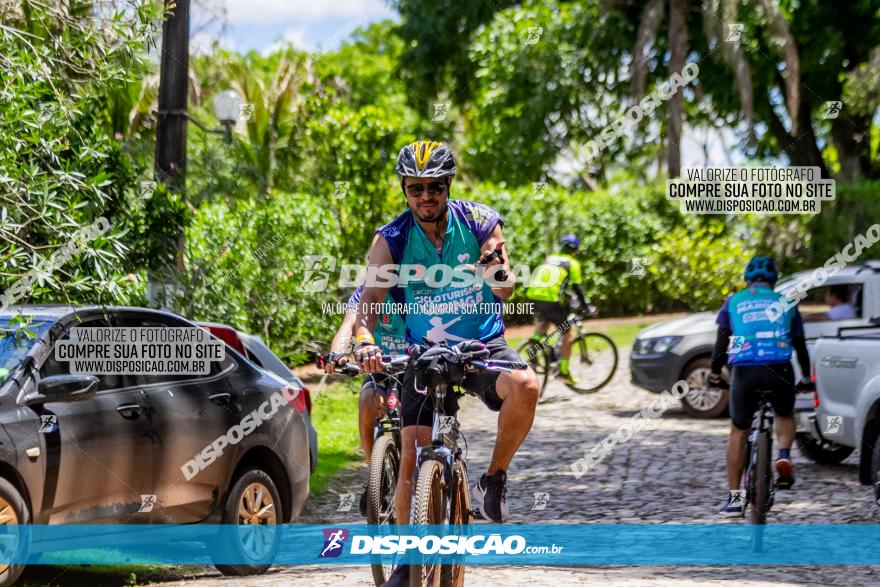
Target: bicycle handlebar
[(441, 361), (393, 365)]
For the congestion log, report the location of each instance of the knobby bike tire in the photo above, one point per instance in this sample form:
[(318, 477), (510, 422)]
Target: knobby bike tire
[(427, 509), (535, 354), (384, 464), (763, 479), (580, 348), (459, 515)]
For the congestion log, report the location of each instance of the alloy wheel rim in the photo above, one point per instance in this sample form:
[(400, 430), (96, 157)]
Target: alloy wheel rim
[(7, 517), (699, 396), (256, 507)]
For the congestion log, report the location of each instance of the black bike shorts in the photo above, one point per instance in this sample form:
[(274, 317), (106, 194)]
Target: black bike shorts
[(418, 408), (551, 312), (748, 380), (376, 382)]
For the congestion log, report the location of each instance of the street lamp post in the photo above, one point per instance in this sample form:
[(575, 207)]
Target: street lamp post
[(170, 161)]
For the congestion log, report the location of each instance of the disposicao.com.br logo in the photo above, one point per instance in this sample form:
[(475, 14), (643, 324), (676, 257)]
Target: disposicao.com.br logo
[(403, 544)]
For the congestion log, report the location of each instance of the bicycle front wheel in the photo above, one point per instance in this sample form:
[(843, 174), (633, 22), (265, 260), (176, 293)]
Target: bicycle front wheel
[(427, 509), (459, 515), (763, 478), (534, 353), (593, 362), (384, 464)]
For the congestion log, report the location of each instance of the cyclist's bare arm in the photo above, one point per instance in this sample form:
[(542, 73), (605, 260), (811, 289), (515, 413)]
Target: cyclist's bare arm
[(374, 293), (506, 290), (343, 341)]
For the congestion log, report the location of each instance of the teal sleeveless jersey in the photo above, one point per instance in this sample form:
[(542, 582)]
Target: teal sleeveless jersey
[(757, 340), (440, 307), (390, 332)]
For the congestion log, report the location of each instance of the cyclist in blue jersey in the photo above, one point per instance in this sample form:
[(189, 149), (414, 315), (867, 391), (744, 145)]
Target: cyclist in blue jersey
[(436, 233), (758, 350), (390, 336)]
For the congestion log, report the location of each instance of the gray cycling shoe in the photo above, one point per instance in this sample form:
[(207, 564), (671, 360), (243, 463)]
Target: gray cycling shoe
[(490, 494)]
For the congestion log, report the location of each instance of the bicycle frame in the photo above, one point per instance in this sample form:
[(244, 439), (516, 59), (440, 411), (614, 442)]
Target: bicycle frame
[(444, 445)]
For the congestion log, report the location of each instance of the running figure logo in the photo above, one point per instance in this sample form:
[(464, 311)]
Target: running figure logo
[(48, 423), (541, 499), (334, 538), (446, 423), (737, 496), (346, 500), (437, 332), (833, 425), (148, 503)]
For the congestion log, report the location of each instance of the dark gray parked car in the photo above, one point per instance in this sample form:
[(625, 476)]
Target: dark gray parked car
[(264, 358), (87, 449)]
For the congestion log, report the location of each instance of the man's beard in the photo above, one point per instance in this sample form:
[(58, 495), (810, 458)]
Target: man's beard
[(436, 217)]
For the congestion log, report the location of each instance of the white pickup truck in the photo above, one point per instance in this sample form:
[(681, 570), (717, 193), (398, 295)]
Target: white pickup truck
[(847, 369)]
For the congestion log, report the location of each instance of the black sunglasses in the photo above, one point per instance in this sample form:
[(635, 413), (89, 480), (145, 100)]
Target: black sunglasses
[(417, 189)]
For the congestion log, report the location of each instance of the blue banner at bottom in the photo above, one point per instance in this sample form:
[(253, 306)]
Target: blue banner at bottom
[(527, 544)]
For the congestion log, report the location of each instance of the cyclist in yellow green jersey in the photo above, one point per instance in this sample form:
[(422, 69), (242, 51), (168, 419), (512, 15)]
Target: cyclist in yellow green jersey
[(549, 290)]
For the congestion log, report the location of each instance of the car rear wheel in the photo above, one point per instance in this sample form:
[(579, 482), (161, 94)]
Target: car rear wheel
[(822, 452), (253, 505), (867, 474), (702, 401), (13, 510)]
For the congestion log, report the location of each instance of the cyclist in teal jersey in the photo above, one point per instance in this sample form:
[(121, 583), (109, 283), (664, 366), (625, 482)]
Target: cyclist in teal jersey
[(436, 233), (758, 349), (390, 336)]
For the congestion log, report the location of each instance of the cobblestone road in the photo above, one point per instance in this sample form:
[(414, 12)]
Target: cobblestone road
[(670, 472)]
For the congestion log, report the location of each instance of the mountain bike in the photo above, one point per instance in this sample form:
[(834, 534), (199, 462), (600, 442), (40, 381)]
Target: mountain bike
[(757, 478), (385, 458), (593, 360), (442, 493)]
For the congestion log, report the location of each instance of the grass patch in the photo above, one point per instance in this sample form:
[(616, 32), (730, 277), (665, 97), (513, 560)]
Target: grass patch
[(623, 334), (335, 417)]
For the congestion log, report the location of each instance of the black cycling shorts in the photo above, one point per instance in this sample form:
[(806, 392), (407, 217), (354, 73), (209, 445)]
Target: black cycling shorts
[(418, 408), (551, 312), (376, 382), (747, 380)]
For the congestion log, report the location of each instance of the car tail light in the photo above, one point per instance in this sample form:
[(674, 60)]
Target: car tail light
[(297, 397), (815, 391), (227, 334), (308, 399)]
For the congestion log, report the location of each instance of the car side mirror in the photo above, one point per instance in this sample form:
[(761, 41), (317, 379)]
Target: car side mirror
[(63, 388)]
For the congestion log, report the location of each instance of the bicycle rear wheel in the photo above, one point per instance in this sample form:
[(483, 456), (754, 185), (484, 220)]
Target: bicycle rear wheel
[(593, 362), (384, 464), (763, 479), (427, 509), (459, 515), (535, 354)]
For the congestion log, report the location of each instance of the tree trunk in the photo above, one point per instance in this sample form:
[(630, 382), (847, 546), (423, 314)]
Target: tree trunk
[(678, 41), (852, 139)]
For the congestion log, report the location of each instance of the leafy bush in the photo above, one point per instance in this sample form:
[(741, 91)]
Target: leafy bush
[(698, 266), (245, 268)]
